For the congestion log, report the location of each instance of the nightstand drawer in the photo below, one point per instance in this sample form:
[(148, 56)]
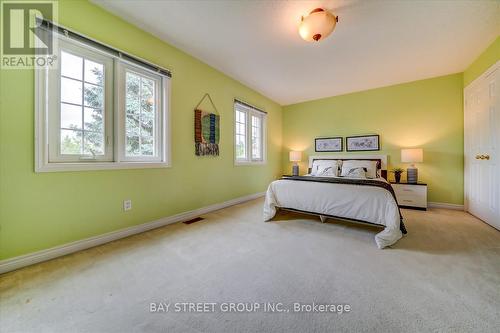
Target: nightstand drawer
[(413, 201), (409, 190), (411, 195)]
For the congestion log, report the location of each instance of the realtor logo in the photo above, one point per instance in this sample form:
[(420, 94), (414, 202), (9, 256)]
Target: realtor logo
[(24, 44)]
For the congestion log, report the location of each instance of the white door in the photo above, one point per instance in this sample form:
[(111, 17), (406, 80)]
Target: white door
[(482, 142)]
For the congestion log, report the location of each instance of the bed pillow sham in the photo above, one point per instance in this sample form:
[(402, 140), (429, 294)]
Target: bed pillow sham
[(325, 168), (370, 166), (357, 173)]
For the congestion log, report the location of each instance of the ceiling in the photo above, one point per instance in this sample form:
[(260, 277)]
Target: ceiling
[(375, 43)]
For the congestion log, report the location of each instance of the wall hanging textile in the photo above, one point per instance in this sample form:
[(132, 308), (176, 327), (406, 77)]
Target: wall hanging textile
[(206, 130)]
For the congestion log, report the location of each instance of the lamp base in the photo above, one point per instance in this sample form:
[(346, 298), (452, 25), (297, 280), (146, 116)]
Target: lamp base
[(295, 170), (412, 175)]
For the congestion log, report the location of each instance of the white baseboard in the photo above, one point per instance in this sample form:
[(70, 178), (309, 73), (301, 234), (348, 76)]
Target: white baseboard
[(445, 205), (11, 264)]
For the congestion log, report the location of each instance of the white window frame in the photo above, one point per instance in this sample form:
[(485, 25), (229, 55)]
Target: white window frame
[(54, 106), (249, 112), (121, 69), (46, 97)]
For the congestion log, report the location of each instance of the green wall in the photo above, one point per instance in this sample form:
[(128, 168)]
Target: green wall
[(487, 58), (38, 211), (427, 114)]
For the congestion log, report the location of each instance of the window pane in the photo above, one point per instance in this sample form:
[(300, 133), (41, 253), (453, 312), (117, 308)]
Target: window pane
[(147, 107), (255, 121), (81, 106), (256, 137), (240, 132), (132, 125), (147, 125), (141, 115), (71, 116), (132, 146), (71, 91), (147, 95), (94, 72), (147, 147), (71, 65), (240, 129), (71, 142), (240, 117), (93, 143), (133, 133), (240, 147), (94, 96), (132, 91), (93, 121)]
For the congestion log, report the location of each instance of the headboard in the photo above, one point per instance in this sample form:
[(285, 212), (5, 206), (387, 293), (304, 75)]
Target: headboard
[(381, 158)]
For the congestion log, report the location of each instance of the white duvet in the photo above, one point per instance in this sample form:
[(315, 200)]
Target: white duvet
[(360, 202)]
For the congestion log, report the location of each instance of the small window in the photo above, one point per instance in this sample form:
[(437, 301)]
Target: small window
[(99, 111), (249, 134), (80, 106), (142, 117)]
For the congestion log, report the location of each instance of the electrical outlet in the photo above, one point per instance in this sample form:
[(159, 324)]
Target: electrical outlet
[(127, 204)]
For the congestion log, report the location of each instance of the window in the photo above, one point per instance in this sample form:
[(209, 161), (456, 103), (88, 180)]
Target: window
[(99, 111), (140, 94), (80, 106), (249, 131)]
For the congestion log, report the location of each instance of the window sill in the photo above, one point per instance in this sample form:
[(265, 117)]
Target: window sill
[(92, 166), (247, 163)]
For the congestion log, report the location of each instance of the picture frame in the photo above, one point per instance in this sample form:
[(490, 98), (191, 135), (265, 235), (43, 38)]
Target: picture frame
[(332, 144), (363, 143)]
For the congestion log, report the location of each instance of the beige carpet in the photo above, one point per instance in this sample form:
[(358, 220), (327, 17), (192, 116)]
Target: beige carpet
[(444, 276)]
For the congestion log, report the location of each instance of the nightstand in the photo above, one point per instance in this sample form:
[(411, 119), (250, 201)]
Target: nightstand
[(411, 195)]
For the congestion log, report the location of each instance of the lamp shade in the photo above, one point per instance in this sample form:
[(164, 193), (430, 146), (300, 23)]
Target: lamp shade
[(317, 25), (412, 155), (295, 156)]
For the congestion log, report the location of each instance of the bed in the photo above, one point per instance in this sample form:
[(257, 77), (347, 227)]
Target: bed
[(348, 187)]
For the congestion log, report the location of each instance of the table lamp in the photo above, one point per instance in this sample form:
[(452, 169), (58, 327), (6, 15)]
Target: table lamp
[(412, 155), (295, 156)]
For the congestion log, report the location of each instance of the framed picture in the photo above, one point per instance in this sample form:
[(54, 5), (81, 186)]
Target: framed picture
[(328, 144), (363, 143)]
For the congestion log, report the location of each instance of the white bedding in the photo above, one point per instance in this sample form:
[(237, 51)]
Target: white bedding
[(365, 203)]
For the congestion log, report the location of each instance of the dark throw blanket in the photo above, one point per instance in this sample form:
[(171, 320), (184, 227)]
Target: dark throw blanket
[(351, 181)]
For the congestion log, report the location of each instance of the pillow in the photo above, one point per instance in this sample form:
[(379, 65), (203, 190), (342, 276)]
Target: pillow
[(325, 168), (357, 173), (371, 167)]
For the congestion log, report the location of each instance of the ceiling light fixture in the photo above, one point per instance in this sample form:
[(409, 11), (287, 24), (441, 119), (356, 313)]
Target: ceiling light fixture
[(318, 25)]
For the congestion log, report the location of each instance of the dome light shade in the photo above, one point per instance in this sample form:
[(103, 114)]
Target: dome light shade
[(318, 25)]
